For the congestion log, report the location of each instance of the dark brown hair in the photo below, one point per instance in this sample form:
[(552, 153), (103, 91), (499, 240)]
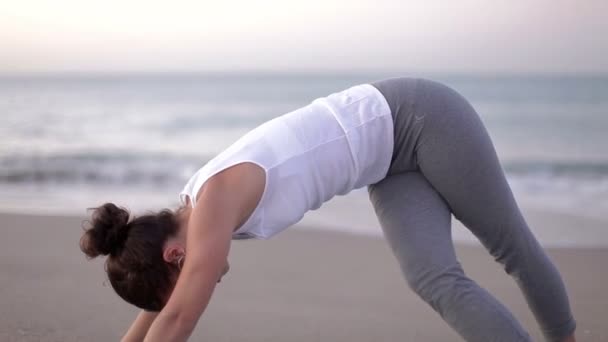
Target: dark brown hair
[(135, 265)]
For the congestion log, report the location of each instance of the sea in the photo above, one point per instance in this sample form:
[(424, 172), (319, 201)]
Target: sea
[(69, 142)]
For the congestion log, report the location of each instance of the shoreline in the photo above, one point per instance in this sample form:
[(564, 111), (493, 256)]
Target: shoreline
[(302, 285), (353, 215)]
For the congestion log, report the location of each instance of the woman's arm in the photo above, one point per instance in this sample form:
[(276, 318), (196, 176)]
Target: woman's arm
[(218, 211), (202, 268), (140, 326)]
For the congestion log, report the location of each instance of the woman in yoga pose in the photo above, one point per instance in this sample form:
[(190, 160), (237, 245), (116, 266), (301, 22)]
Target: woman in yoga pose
[(424, 155)]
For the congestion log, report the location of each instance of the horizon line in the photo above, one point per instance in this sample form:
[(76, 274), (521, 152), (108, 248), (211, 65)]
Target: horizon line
[(302, 72)]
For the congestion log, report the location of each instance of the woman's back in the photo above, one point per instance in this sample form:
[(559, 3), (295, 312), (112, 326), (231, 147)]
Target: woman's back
[(335, 144)]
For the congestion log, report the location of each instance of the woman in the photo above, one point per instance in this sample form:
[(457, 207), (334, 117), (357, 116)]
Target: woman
[(423, 153)]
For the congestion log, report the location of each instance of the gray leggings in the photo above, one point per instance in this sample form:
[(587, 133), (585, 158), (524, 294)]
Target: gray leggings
[(444, 163)]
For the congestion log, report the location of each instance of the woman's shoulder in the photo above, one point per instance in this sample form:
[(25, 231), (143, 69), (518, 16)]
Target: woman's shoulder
[(240, 186), (244, 176)]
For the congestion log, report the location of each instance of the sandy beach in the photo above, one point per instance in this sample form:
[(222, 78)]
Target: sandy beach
[(303, 285)]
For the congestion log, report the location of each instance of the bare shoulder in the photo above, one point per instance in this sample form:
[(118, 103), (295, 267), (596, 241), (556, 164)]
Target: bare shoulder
[(243, 176), (237, 189), (247, 171)]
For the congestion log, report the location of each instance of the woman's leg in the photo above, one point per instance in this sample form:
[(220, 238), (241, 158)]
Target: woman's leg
[(455, 154), (416, 221)]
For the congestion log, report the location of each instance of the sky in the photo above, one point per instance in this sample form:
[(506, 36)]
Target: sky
[(485, 36)]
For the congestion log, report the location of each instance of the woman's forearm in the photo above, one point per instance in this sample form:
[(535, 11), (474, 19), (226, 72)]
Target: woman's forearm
[(138, 330)]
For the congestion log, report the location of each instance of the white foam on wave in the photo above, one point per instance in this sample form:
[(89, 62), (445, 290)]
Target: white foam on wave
[(556, 222)]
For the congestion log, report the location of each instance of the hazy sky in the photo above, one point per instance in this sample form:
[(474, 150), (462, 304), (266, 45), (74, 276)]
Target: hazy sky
[(424, 35)]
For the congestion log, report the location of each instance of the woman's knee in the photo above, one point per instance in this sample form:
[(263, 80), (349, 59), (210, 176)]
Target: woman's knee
[(435, 283)]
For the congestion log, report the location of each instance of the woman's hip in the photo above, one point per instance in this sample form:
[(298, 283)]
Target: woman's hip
[(421, 110)]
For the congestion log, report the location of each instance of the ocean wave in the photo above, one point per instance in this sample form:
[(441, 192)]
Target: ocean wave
[(149, 180), (99, 169), (567, 169)]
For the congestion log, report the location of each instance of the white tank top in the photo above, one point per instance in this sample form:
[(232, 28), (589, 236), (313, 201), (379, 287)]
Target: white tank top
[(333, 145)]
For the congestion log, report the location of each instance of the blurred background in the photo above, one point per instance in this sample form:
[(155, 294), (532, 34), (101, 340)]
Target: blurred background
[(123, 101)]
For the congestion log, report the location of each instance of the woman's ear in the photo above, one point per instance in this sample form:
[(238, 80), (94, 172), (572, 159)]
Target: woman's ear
[(173, 252)]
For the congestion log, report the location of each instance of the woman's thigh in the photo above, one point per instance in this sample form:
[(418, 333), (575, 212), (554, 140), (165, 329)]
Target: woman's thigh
[(456, 154), (439, 134), (416, 221)]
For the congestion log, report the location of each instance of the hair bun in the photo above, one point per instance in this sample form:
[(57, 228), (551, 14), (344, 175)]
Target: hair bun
[(108, 231)]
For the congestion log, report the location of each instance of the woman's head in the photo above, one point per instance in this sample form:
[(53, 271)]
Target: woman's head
[(140, 268)]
